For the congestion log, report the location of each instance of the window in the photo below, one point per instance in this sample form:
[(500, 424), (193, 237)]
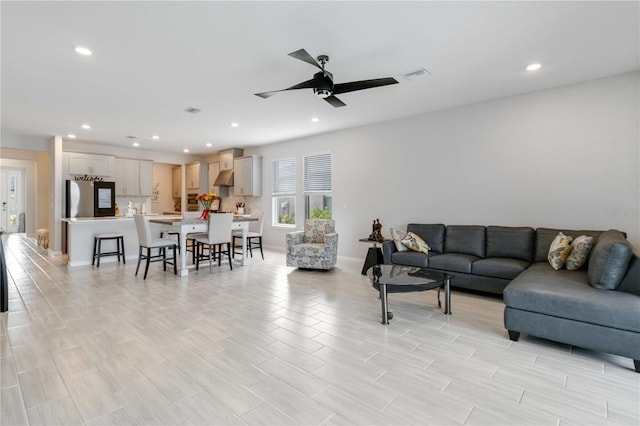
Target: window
[(284, 192), (317, 186)]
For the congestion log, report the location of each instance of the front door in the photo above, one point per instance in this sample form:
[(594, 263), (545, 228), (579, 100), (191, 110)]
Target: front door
[(11, 199)]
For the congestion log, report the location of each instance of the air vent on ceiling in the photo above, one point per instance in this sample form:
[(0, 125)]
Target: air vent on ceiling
[(421, 72), (131, 137), (192, 110)]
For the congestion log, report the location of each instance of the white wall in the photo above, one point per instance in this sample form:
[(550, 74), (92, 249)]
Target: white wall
[(566, 157), (162, 175)]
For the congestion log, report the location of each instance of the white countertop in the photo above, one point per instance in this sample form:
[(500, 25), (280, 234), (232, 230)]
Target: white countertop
[(114, 218)]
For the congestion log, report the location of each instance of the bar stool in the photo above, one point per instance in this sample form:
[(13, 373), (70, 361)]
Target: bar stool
[(97, 247)]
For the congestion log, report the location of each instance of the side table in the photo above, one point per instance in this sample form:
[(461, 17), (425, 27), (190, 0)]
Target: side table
[(374, 254)]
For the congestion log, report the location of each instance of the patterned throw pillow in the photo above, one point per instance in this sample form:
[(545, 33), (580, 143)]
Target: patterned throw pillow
[(397, 235), (415, 243), (580, 248), (559, 250)]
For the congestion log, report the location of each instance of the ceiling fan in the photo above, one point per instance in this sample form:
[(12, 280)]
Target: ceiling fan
[(322, 82)]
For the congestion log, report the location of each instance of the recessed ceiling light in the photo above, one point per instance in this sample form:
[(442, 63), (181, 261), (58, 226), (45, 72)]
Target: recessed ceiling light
[(83, 51), (315, 119), (135, 144), (71, 136), (234, 124), (86, 126), (155, 137), (534, 67), (209, 145), (185, 150)]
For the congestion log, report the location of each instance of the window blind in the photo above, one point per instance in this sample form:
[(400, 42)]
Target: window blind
[(317, 173), (284, 176)]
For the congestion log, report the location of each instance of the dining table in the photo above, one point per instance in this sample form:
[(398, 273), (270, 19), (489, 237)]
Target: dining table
[(185, 226)]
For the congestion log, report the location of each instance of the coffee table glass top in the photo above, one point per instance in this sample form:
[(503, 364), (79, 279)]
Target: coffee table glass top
[(397, 275)]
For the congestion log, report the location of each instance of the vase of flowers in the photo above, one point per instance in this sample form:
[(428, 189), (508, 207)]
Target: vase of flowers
[(205, 202)]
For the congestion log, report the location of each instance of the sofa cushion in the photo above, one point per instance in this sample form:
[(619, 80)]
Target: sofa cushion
[(454, 262), (499, 267), (580, 249), (410, 258), (544, 236), (431, 233), (567, 294), (465, 239), (559, 250), (631, 281), (511, 242), (609, 260)]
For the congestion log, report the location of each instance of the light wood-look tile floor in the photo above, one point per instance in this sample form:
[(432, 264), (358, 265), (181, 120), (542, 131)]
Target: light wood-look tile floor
[(268, 344)]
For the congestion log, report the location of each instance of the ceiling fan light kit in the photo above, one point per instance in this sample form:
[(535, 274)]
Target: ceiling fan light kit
[(322, 82)]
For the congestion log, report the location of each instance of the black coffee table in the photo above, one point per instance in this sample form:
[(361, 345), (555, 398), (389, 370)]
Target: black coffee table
[(398, 279)]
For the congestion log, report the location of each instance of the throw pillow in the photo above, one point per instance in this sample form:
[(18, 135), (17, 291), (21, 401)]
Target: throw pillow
[(415, 243), (580, 248), (397, 235), (559, 250)]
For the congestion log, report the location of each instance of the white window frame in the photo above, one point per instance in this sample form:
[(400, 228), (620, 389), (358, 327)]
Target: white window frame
[(318, 188), (277, 193)]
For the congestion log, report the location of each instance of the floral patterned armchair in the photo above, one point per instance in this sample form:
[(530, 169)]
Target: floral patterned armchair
[(314, 248)]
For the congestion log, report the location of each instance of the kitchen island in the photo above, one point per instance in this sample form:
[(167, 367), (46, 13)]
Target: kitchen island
[(80, 232)]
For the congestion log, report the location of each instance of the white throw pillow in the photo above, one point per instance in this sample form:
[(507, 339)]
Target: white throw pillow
[(397, 235)]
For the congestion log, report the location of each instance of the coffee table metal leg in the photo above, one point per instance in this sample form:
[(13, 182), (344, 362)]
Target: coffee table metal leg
[(447, 297), (383, 298)]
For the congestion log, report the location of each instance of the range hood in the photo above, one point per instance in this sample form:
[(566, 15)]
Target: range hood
[(225, 178)]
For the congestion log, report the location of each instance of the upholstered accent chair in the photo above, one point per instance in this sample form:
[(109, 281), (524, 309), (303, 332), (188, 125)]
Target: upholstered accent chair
[(316, 247)]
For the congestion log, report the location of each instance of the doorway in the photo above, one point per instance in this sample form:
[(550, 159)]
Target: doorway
[(12, 199)]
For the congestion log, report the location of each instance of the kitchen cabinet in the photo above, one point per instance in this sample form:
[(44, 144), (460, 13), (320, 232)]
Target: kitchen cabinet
[(193, 177), (247, 177), (226, 160), (90, 164), (176, 182), (226, 157), (146, 178), (214, 170), (134, 177)]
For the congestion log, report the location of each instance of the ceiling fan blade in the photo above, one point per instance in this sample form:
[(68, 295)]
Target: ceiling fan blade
[(335, 102), (309, 84), (304, 56), (364, 84)]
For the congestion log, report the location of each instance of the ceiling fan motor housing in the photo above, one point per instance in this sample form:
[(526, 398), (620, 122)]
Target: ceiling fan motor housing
[(322, 85)]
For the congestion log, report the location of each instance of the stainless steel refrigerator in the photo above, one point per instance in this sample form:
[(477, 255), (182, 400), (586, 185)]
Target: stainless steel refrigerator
[(90, 199)]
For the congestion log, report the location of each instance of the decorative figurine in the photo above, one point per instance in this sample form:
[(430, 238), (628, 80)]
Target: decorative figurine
[(376, 234)]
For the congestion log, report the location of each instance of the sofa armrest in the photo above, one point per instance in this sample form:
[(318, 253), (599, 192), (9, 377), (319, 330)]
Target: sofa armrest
[(388, 248), (331, 239), (293, 238)]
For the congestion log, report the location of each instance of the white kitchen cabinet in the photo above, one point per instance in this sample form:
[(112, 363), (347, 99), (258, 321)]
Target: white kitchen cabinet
[(214, 171), (90, 164), (226, 160), (193, 176), (134, 177), (176, 182), (247, 175), (146, 178), (127, 176)]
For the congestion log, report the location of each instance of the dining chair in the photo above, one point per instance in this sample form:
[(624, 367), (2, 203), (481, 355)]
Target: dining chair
[(146, 241), (254, 237), (219, 235)]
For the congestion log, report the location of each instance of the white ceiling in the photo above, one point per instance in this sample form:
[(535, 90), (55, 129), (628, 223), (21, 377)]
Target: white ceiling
[(154, 59)]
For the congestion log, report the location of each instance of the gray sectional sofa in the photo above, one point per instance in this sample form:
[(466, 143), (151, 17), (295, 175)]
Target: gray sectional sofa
[(596, 307)]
